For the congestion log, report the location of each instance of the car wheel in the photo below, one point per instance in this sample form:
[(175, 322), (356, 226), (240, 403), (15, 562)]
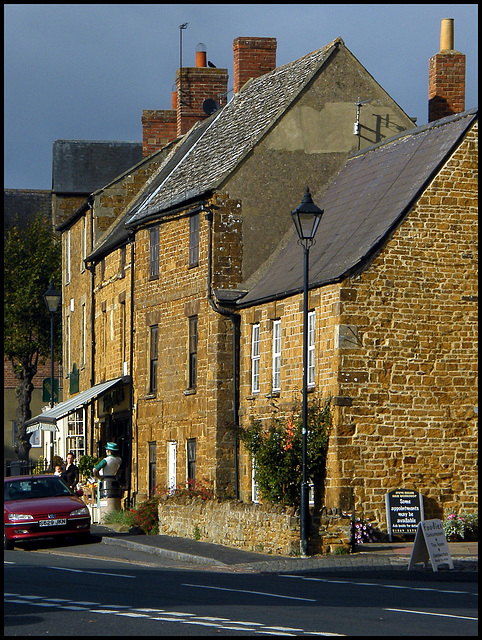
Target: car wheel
[(8, 545), (84, 538)]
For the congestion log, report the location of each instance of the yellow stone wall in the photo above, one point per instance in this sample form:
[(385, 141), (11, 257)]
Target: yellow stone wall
[(396, 349)]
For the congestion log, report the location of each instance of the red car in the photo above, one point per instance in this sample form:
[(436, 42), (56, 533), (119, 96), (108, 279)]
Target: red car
[(41, 507)]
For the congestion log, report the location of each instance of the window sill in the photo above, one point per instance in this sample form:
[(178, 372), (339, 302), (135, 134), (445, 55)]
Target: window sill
[(190, 392), (274, 394), (150, 396)]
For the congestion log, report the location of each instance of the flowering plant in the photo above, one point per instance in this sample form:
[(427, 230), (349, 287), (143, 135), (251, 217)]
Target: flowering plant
[(363, 531), (457, 526), (146, 515), (276, 449)]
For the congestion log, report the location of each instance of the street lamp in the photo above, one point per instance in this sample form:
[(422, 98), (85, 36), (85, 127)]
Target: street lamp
[(306, 219), (52, 301)]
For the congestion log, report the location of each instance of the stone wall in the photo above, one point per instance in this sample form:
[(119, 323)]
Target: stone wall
[(270, 529)]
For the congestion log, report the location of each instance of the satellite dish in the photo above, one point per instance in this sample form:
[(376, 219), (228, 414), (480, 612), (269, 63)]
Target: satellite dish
[(210, 106)]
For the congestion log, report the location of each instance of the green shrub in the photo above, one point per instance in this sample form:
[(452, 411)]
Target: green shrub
[(277, 453), (117, 517), (86, 464)]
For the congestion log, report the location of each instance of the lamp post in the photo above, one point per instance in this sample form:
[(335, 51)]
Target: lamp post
[(52, 300), (306, 219)]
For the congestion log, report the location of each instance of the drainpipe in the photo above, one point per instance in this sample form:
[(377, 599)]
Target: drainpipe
[(91, 268), (131, 373), (235, 320)]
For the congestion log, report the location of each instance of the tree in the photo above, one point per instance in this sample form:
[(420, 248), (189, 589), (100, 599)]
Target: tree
[(32, 256)]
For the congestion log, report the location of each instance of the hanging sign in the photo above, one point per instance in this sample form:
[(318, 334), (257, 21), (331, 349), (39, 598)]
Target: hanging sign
[(431, 544), (404, 511), (42, 426), (46, 384)]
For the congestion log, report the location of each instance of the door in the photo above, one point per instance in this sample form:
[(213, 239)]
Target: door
[(172, 466)]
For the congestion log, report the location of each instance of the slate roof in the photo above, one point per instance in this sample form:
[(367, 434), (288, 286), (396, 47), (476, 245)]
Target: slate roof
[(83, 166), (20, 206), (217, 145), (368, 199)]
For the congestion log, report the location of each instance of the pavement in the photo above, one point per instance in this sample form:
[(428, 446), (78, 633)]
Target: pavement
[(383, 559)]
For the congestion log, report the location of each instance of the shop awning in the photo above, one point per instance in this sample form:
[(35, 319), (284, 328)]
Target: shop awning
[(47, 420)]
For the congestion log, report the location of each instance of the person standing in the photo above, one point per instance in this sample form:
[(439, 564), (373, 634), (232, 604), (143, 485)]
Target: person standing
[(70, 473)]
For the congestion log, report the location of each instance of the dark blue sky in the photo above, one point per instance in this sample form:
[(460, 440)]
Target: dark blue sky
[(86, 71)]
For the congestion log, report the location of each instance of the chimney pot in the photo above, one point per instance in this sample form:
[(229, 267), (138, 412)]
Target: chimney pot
[(447, 35), (446, 77), (201, 56)]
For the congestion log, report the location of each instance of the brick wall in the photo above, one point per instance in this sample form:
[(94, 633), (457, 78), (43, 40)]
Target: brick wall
[(446, 84), (158, 128), (253, 57), (194, 86), (43, 371)]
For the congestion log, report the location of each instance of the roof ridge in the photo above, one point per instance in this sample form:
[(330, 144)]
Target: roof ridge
[(238, 126), (415, 131)]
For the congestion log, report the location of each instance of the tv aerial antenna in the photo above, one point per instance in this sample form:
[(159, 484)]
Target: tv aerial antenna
[(356, 127), (181, 29)]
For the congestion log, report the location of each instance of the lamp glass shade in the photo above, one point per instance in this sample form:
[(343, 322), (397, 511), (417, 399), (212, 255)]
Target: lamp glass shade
[(52, 298), (307, 217)]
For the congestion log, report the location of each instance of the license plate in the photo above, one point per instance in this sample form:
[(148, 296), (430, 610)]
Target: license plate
[(52, 523)]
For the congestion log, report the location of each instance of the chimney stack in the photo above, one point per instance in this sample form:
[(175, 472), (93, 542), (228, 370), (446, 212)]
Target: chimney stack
[(194, 86), (253, 57), (159, 127), (446, 79)]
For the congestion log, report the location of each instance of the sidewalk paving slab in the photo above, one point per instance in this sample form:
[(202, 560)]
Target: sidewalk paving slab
[(383, 558)]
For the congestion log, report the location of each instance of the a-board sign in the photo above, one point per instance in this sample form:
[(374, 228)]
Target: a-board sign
[(404, 511), (431, 544)]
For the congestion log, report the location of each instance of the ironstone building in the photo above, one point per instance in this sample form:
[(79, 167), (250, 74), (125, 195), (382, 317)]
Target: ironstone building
[(182, 280)]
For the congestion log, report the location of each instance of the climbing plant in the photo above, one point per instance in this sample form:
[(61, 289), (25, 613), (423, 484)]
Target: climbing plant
[(277, 452)]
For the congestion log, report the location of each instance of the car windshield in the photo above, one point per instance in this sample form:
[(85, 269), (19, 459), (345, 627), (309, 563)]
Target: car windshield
[(28, 488)]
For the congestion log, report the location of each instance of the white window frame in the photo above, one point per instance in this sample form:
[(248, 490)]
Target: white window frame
[(255, 357), (75, 436), (254, 485), (172, 467), (276, 381), (311, 348)]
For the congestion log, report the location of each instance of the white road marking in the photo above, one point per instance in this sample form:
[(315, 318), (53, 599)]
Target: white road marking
[(429, 613), (180, 617), (97, 573), (257, 593), (375, 584)]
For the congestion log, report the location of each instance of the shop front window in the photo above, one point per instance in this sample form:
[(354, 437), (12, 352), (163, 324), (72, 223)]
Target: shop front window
[(75, 440)]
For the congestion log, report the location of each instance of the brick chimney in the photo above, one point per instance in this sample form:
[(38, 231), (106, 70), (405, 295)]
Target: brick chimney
[(159, 126), (446, 77), (194, 86), (253, 57)]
